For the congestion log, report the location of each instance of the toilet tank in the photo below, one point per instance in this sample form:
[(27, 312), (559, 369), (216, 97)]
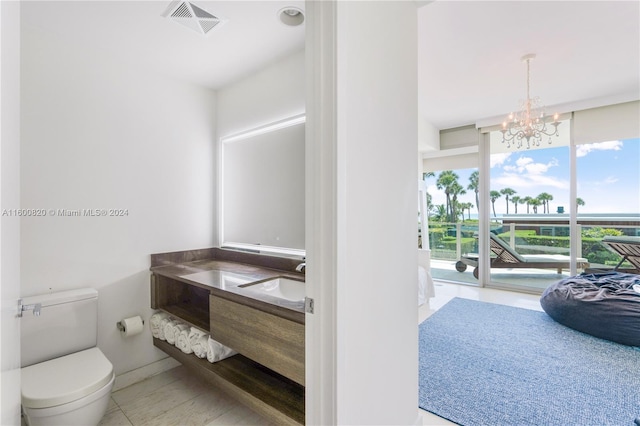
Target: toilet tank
[(68, 323)]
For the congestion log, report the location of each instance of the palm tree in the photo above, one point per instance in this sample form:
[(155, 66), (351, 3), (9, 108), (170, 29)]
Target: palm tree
[(515, 200), (467, 207), (535, 203), (545, 198), (429, 197), (507, 192), (579, 202), (527, 201), (494, 195), (474, 185), (445, 181), (456, 189), (522, 200), (439, 213)]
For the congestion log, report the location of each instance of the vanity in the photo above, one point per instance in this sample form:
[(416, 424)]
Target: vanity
[(250, 302)]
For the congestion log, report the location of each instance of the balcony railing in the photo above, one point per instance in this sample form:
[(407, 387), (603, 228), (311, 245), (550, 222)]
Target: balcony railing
[(450, 241)]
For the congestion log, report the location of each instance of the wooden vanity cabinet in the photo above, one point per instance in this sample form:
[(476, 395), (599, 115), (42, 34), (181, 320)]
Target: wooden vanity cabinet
[(272, 341), (267, 375)]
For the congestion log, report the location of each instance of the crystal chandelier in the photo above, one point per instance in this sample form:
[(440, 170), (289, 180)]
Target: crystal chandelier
[(530, 123)]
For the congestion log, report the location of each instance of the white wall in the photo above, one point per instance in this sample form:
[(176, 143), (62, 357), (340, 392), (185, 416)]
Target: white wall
[(100, 135), (10, 199), (377, 146), (428, 136), (274, 93)]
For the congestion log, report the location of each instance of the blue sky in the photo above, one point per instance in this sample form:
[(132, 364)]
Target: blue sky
[(608, 177)]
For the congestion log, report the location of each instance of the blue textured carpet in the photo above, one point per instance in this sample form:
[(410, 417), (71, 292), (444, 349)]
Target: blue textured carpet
[(488, 364)]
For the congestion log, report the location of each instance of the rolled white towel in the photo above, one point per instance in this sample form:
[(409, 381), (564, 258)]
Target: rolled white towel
[(194, 334), (216, 351), (182, 338), (170, 331), (199, 342), (155, 321), (161, 328)]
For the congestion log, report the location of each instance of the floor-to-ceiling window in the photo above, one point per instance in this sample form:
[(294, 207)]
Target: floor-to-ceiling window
[(608, 199), (529, 211), (451, 179), (564, 198), (549, 204), (452, 204)]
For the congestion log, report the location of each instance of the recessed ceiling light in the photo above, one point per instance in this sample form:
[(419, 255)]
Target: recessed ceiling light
[(291, 16)]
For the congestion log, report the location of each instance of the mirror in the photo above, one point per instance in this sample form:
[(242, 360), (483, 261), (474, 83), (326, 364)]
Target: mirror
[(261, 201)]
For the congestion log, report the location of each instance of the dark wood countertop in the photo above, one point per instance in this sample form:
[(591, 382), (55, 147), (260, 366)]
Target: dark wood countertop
[(223, 272)]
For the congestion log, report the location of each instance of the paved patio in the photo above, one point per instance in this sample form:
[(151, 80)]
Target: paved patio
[(521, 279)]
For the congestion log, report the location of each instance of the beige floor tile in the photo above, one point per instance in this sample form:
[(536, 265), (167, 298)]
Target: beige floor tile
[(112, 406), (196, 412), (148, 386), (141, 409), (240, 416), (115, 418)]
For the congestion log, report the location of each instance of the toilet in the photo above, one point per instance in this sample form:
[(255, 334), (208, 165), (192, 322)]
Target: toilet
[(66, 379)]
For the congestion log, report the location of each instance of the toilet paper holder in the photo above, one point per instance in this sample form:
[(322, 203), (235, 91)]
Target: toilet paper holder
[(121, 327)]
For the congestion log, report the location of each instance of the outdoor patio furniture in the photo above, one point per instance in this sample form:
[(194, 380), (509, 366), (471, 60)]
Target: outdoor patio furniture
[(628, 248), (503, 256)]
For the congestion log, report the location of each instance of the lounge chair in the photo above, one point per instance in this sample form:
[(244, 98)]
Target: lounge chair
[(628, 248), (503, 256)]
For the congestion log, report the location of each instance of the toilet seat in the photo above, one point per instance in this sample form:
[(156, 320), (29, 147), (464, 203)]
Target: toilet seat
[(65, 379)]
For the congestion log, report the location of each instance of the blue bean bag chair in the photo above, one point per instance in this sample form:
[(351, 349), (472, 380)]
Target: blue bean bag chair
[(605, 305)]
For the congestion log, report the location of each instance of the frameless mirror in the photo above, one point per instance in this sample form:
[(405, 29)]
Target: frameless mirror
[(262, 189)]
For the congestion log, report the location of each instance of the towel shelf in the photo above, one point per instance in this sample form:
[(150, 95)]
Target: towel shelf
[(185, 301), (271, 395)]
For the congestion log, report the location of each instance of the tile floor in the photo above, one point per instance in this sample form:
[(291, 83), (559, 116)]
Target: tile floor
[(176, 397), (179, 397)]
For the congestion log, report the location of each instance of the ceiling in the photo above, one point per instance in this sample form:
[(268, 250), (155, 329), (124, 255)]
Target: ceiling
[(470, 68), (588, 52), (134, 32)]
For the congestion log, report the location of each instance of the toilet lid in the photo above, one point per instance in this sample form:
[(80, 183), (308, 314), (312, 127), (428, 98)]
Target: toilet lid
[(65, 379)]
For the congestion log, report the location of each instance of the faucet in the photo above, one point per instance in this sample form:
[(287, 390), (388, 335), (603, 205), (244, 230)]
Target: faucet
[(301, 267)]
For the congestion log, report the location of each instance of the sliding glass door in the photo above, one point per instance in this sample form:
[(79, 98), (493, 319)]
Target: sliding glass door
[(608, 202), (452, 204), (534, 215), (529, 197)]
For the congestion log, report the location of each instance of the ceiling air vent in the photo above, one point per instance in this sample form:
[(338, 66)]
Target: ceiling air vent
[(192, 16)]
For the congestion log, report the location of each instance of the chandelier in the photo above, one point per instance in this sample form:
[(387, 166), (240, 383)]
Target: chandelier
[(530, 124)]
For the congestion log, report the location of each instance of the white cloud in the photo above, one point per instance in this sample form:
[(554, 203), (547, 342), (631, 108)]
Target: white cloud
[(525, 174), (516, 181), (584, 149), (523, 161), (527, 165), (499, 159)]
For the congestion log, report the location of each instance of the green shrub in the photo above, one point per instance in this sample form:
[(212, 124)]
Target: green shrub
[(598, 232)]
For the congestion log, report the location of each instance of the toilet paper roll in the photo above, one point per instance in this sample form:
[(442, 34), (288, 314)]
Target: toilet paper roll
[(132, 326)]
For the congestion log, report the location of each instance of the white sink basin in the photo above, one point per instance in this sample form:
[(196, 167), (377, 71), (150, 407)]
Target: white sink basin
[(282, 288)]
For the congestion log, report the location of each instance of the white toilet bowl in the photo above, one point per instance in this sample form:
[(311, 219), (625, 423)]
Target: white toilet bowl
[(69, 390)]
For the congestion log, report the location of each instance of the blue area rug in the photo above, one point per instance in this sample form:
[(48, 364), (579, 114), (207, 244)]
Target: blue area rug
[(488, 364)]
